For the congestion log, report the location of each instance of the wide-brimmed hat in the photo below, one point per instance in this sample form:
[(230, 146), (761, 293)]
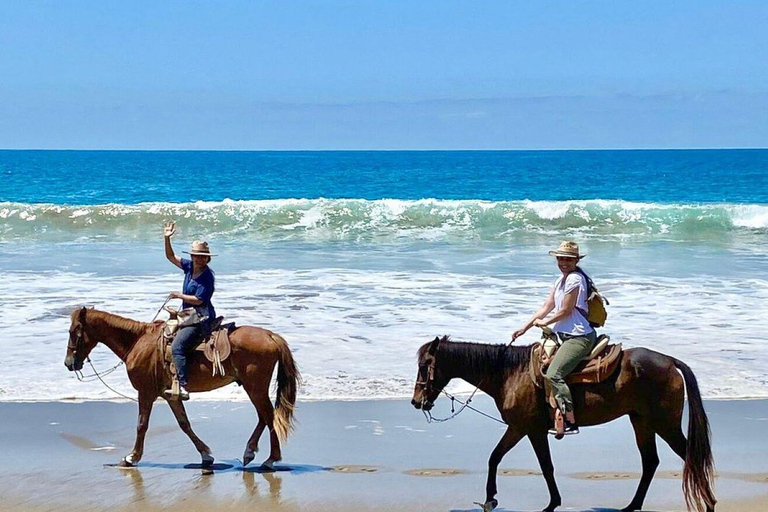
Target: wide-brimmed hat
[(199, 248), (567, 250)]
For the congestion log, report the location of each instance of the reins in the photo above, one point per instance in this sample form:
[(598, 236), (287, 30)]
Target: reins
[(106, 372), (454, 413), (464, 405), (96, 375)]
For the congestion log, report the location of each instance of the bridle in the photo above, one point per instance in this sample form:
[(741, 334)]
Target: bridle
[(427, 371), (77, 344)]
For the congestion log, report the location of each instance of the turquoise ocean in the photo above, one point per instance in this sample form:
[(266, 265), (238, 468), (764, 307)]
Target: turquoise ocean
[(358, 258)]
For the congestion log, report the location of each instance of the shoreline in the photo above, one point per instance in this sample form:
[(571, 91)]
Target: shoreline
[(301, 400), (348, 455)]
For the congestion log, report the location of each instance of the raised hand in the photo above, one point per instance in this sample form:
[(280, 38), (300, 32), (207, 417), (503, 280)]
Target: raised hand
[(169, 229)]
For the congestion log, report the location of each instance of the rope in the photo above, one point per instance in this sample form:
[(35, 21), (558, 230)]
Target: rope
[(107, 385), (98, 375), (159, 310), (95, 376), (464, 405)]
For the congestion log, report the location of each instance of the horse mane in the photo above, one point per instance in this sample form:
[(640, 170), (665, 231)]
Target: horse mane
[(116, 321), (483, 357)]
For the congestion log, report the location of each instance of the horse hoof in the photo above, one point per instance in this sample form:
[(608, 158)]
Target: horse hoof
[(269, 464), (488, 506), (128, 461), (248, 457), (207, 459)]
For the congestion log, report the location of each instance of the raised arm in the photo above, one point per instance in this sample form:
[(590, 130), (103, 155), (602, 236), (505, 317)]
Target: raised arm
[(168, 231)]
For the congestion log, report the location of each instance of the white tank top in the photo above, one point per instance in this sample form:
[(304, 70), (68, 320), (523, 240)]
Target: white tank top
[(575, 323)]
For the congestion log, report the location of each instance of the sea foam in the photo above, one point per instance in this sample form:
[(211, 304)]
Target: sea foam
[(385, 220)]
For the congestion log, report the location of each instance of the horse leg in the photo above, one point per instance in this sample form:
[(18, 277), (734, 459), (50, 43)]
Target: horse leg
[(145, 409), (506, 443), (540, 445), (646, 443), (674, 437), (253, 443), (177, 406), (260, 397)]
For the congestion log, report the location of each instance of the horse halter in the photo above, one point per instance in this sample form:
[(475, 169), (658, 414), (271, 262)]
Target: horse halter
[(425, 379), (429, 377), (78, 343), (76, 346)]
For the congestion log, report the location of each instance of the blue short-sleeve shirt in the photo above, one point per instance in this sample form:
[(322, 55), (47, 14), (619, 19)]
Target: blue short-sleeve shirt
[(201, 287)]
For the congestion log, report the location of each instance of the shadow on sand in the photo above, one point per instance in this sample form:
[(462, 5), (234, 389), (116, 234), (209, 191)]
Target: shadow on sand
[(227, 466), (502, 509)]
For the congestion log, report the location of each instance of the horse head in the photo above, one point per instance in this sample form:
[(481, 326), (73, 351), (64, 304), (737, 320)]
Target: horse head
[(430, 381), (80, 342)]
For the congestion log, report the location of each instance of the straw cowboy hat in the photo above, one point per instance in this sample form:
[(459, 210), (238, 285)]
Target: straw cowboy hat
[(199, 248), (567, 250)]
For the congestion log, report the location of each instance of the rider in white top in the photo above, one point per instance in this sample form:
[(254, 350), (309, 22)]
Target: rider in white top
[(576, 323), (568, 300)]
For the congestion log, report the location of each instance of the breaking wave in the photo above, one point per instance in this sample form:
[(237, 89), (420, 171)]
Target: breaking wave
[(361, 220)]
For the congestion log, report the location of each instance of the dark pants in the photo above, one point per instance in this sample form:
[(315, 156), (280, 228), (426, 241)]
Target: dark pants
[(187, 338)]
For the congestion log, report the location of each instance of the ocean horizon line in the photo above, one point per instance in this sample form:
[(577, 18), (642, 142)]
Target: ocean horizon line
[(379, 150)]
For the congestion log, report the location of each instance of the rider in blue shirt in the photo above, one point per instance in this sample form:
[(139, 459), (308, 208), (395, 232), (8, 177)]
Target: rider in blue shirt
[(198, 288)]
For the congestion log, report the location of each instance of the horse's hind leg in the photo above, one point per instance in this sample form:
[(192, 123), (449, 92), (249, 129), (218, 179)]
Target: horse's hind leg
[(674, 437), (253, 443), (260, 397), (145, 409), (181, 416), (646, 443)]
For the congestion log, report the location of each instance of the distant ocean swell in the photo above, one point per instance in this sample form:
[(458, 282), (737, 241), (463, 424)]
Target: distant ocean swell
[(386, 219)]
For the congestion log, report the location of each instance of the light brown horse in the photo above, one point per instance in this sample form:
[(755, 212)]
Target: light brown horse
[(255, 352), (647, 386)]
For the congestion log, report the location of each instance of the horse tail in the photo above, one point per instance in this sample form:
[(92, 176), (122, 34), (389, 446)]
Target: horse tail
[(698, 470), (288, 381)]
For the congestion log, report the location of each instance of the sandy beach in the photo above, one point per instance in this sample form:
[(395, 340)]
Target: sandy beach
[(365, 455)]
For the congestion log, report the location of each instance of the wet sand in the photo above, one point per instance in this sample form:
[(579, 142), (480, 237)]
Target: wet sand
[(344, 456)]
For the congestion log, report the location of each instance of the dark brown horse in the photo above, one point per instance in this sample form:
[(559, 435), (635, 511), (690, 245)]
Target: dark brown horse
[(647, 387), (255, 352)]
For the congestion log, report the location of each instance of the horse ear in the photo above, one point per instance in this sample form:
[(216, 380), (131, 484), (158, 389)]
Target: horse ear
[(433, 346), (82, 314)]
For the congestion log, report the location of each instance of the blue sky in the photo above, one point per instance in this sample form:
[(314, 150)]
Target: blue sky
[(383, 74)]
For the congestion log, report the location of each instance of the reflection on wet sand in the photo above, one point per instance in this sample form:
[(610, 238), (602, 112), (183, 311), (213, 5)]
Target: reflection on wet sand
[(275, 483)]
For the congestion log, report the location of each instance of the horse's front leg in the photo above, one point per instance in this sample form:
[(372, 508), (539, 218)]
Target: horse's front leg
[(145, 409), (506, 443), (181, 416), (540, 445)]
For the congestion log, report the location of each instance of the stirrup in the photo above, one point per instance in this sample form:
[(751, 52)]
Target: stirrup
[(559, 429), (177, 392)]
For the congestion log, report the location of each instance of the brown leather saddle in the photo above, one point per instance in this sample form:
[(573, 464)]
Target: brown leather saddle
[(596, 367), (215, 346)]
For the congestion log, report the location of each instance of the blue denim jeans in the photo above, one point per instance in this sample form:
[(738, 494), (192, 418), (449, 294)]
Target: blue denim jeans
[(187, 338)]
